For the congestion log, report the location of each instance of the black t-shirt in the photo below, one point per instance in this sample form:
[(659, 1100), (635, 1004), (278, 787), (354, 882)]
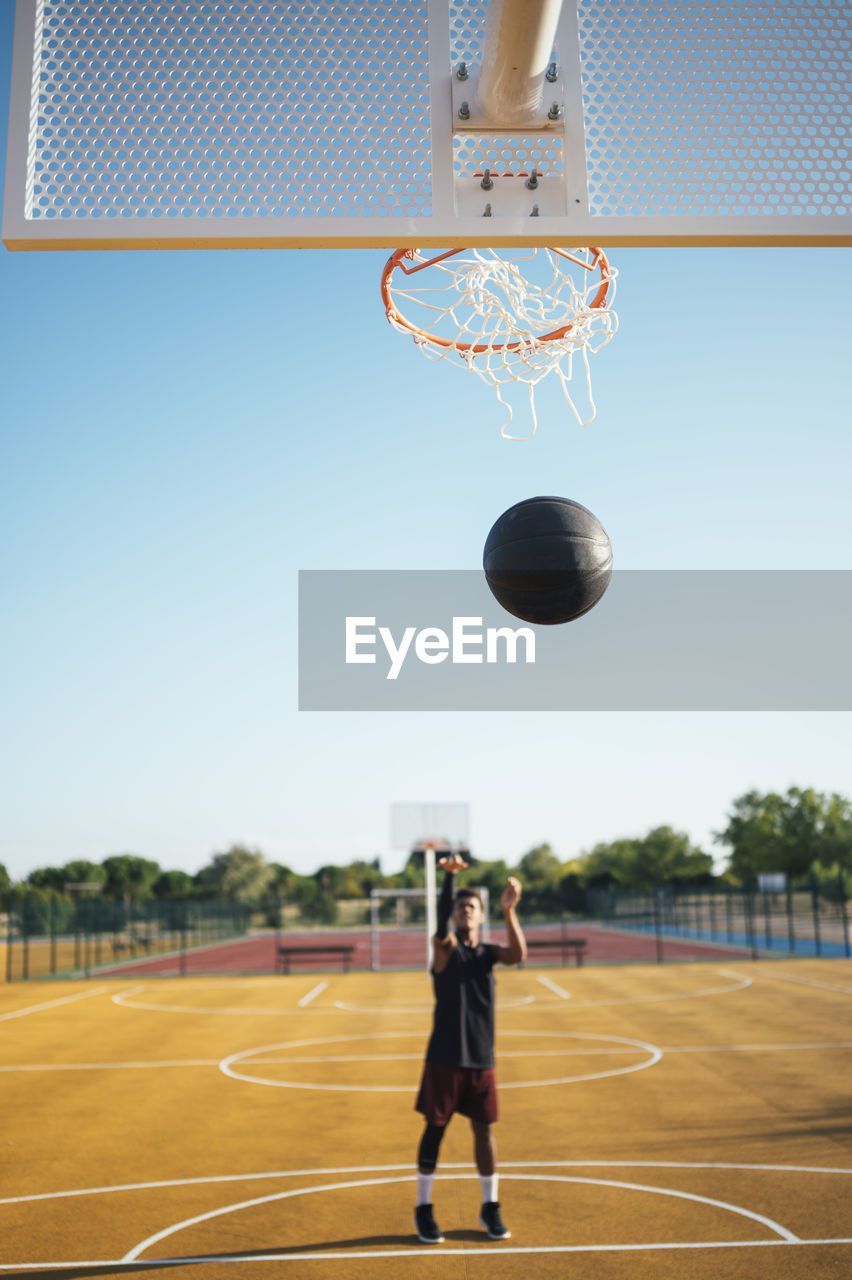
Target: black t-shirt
[(463, 1031)]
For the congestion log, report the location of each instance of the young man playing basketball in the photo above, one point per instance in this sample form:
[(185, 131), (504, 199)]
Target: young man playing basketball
[(458, 1075)]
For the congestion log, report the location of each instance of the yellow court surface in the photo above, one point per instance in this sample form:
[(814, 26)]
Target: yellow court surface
[(656, 1121)]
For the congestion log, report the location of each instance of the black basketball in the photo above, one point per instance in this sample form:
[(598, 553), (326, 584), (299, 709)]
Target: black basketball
[(547, 560)]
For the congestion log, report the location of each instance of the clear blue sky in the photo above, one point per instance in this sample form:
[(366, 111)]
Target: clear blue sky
[(183, 432)]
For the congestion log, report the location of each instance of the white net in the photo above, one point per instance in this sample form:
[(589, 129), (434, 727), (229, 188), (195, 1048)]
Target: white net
[(509, 318)]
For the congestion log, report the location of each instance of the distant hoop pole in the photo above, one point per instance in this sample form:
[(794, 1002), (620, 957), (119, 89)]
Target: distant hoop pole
[(516, 52), (431, 901), (374, 930)]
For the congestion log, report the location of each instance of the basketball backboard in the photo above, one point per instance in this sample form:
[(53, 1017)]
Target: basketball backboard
[(444, 826), (267, 123)]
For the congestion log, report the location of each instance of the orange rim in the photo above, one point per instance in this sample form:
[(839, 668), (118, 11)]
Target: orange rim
[(398, 260)]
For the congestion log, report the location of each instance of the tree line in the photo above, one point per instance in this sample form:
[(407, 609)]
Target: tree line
[(802, 834)]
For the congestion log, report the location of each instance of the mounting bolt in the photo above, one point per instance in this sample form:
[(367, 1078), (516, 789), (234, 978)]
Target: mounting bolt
[(461, 71), (555, 112), (487, 212), (486, 183), (532, 180), (551, 75), (464, 111)]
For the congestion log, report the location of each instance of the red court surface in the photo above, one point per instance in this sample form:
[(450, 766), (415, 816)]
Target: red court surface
[(407, 950)]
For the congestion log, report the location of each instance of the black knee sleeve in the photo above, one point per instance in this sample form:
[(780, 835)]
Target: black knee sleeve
[(427, 1154)]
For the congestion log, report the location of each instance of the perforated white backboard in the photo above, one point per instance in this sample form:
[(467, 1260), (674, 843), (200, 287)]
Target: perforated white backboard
[(170, 123)]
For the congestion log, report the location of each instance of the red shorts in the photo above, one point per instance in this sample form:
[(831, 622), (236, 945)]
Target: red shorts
[(445, 1090)]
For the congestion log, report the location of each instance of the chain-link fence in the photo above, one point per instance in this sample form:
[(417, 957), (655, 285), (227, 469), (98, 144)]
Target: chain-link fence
[(806, 919), (52, 934)]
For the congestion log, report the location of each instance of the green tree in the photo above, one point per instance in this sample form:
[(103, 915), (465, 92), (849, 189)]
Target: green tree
[(48, 878), (330, 880), (608, 863), (662, 856), (493, 876), (540, 871), (240, 873), (572, 893), (173, 884), (667, 856), (540, 866), (81, 871), (320, 907), (129, 876), (366, 876), (35, 910), (283, 880), (5, 888), (787, 833)]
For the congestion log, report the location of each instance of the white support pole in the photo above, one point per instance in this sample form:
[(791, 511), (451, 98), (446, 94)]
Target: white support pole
[(486, 912), (516, 52), (431, 902), (374, 929)]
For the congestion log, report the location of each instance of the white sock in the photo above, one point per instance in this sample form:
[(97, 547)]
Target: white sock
[(489, 1188), (424, 1187)]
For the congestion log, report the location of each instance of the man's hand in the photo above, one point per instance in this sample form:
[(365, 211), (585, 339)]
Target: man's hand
[(455, 862), (516, 951), (511, 894)]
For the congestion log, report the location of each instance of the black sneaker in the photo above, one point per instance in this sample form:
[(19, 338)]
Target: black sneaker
[(489, 1218), (427, 1228)]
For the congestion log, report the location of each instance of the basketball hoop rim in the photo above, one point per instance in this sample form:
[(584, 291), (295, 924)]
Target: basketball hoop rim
[(395, 316)]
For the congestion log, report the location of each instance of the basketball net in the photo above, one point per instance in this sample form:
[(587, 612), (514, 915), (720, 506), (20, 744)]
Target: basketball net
[(510, 318)]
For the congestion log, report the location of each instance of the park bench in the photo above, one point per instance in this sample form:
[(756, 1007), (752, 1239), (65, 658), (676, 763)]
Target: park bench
[(120, 943), (567, 946), (287, 953)]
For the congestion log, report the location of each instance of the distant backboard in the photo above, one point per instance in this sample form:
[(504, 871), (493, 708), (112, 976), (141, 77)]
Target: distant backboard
[(444, 825), (170, 124)]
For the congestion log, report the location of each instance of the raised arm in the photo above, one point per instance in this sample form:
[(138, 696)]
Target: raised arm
[(444, 941), (516, 951)]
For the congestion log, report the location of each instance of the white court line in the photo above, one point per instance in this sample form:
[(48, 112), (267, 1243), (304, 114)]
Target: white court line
[(606, 1051), (418, 1057), (51, 1004), (500, 1006), (554, 987), (227, 1065), (769, 1223), (306, 1000), (740, 983), (755, 1048), (445, 1166), (530, 1002), (420, 1252), (110, 1066), (124, 1003), (805, 982)]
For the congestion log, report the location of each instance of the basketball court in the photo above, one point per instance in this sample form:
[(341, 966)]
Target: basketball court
[(654, 1121)]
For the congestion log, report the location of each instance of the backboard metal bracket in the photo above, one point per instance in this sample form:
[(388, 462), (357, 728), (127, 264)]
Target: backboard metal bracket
[(469, 118)]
